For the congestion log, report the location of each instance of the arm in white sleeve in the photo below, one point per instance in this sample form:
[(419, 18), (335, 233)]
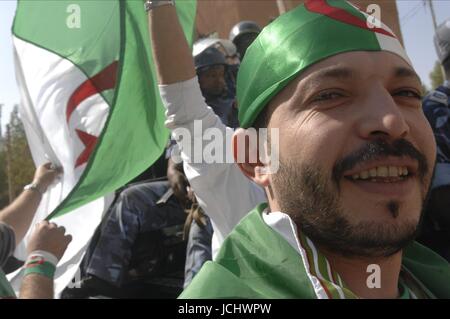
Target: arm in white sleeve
[(222, 190)]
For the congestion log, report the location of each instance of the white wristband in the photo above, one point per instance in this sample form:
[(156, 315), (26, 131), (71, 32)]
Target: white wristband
[(48, 257), (151, 4)]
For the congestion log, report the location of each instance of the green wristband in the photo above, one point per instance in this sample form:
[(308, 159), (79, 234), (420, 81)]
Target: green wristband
[(45, 269)]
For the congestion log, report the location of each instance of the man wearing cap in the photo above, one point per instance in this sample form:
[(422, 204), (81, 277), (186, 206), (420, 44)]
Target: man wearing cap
[(436, 230), (356, 159), (232, 60), (243, 34), (210, 66)]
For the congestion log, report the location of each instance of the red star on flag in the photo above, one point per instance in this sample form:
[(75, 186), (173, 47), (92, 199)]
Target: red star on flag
[(89, 142), (104, 80)]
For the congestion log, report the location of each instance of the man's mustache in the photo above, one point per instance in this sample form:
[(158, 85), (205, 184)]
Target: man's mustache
[(378, 149)]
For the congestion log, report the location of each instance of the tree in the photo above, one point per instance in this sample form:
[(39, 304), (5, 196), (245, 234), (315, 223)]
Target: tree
[(436, 76), (4, 198), (17, 157), (425, 90)]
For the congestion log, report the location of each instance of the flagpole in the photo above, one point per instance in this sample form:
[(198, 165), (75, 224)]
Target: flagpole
[(433, 14), (433, 17), (281, 6)]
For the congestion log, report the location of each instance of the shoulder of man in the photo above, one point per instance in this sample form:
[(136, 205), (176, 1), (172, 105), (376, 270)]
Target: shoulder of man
[(437, 96), (217, 282), (217, 279), (245, 262), (6, 291), (7, 245), (7, 242), (427, 266)]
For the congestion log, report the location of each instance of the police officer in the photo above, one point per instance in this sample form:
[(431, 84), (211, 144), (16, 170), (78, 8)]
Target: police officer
[(211, 68), (243, 34), (228, 49), (436, 227)]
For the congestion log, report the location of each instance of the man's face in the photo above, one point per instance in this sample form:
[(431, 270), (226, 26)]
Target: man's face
[(356, 153), (212, 80)]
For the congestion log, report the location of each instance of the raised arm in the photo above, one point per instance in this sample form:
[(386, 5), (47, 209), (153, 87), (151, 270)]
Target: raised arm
[(20, 212), (223, 192), (38, 281), (171, 52)]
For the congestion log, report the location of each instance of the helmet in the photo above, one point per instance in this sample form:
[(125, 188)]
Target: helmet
[(442, 41), (209, 57), (225, 45), (229, 47), (244, 27)]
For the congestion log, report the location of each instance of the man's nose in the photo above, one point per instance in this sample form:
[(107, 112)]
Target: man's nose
[(221, 78), (221, 81), (381, 116)]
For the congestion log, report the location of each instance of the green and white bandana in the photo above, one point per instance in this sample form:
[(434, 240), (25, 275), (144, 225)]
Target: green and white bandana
[(304, 36)]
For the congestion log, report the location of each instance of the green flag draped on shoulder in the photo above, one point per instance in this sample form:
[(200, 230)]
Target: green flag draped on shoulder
[(255, 261)]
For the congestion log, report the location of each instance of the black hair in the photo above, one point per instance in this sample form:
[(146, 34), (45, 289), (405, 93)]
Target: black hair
[(261, 120)]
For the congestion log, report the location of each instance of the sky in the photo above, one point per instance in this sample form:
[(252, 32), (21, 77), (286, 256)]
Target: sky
[(415, 20)]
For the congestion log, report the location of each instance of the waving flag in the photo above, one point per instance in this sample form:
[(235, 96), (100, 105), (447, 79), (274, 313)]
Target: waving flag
[(90, 102)]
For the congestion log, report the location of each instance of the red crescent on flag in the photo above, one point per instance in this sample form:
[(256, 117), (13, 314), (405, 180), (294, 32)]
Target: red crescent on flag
[(322, 7), (104, 80)]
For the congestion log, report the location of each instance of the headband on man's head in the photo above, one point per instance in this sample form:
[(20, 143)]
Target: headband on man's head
[(304, 36)]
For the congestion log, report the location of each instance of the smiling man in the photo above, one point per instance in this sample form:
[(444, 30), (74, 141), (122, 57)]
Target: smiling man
[(357, 184), (356, 159)]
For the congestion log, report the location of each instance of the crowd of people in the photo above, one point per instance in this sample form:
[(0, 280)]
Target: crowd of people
[(363, 175)]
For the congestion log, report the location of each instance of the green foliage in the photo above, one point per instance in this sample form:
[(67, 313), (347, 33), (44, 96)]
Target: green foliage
[(436, 76), (15, 151), (425, 90), (4, 200)]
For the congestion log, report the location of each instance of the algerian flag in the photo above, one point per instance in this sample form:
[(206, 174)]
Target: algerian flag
[(258, 261), (90, 103)]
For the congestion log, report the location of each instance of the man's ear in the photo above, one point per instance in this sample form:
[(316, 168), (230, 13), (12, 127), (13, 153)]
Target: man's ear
[(246, 156)]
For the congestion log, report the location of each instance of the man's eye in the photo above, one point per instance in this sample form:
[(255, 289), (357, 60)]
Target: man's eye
[(326, 96), (409, 93)]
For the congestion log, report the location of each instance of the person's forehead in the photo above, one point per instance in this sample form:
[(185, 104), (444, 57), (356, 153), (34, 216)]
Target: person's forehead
[(211, 70), (342, 67), (358, 64)]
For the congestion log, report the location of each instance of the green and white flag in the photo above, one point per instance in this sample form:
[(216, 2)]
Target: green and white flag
[(257, 262), (90, 103)]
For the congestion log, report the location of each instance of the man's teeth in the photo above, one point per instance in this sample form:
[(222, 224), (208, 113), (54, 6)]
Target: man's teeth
[(382, 171)]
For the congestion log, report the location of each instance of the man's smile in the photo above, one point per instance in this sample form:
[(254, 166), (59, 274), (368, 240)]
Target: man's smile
[(391, 176)]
